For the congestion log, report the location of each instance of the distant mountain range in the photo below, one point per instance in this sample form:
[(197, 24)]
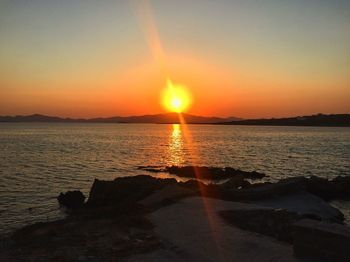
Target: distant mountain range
[(158, 118), (314, 120)]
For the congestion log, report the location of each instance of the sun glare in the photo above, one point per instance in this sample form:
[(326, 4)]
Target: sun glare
[(176, 98)]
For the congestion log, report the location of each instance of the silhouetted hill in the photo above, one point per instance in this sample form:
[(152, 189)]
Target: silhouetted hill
[(37, 118), (313, 120), (158, 118), (164, 118)]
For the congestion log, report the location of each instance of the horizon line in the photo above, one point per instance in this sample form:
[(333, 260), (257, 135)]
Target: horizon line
[(167, 113)]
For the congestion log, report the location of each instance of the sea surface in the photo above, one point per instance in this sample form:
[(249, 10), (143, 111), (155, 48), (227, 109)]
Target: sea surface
[(40, 160)]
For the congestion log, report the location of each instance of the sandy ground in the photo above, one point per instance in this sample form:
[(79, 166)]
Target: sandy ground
[(191, 230)]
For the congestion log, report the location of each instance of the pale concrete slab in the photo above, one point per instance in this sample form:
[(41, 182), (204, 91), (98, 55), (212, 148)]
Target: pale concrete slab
[(191, 230)]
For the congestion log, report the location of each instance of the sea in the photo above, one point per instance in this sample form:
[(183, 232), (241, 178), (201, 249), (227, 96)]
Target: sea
[(40, 160)]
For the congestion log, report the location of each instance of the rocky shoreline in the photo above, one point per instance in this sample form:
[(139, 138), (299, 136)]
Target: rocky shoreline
[(120, 221), (204, 172)]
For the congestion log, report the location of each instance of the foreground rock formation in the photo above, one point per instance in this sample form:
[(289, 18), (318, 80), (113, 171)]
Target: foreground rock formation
[(88, 234), (131, 189), (143, 218), (320, 240), (71, 199)]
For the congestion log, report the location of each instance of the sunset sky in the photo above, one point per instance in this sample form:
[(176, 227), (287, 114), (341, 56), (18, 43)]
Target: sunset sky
[(245, 58)]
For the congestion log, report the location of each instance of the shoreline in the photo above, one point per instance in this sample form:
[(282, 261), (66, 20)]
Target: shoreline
[(141, 201)]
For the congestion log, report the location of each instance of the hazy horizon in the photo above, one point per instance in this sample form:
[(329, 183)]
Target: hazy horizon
[(186, 113)]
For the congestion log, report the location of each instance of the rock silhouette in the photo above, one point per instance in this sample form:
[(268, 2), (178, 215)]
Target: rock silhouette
[(204, 172), (71, 199)]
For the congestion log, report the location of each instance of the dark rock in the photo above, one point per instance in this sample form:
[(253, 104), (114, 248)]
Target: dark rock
[(326, 189), (272, 222), (236, 182), (203, 172), (320, 240), (191, 171), (338, 187), (153, 169), (250, 175), (65, 240), (71, 199), (193, 184), (166, 195), (215, 173), (259, 191), (304, 203), (124, 189)]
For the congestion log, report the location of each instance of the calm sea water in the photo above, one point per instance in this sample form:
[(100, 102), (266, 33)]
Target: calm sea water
[(38, 161)]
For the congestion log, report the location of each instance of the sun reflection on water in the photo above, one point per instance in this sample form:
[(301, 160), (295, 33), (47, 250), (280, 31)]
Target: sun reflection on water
[(176, 144)]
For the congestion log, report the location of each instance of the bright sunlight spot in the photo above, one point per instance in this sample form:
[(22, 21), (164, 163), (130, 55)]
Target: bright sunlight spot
[(176, 98)]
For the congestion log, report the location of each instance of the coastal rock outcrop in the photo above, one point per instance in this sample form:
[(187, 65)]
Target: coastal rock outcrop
[(272, 222), (235, 182), (71, 199), (324, 241), (204, 172), (167, 195), (238, 188), (338, 187), (276, 216), (128, 189), (304, 196), (305, 204), (311, 238), (257, 191)]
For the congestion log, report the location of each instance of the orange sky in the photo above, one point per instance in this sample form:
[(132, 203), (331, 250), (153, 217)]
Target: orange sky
[(236, 58)]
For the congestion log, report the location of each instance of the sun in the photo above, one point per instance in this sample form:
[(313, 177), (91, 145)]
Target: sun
[(176, 98)]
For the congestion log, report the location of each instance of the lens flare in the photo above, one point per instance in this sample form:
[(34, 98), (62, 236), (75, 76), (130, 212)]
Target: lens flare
[(176, 98)]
